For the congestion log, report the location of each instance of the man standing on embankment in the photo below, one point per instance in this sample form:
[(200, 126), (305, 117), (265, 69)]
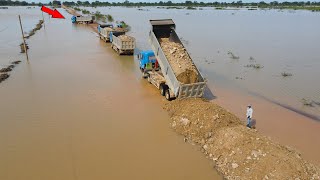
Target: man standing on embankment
[(249, 115)]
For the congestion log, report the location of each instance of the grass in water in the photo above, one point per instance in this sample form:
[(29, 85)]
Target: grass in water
[(255, 66), (110, 18), (286, 74)]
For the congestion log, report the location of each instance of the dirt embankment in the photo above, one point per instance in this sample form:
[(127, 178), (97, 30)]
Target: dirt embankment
[(237, 151), (70, 10), (180, 61), (73, 12)]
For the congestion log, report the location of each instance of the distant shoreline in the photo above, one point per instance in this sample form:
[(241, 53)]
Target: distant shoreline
[(190, 5)]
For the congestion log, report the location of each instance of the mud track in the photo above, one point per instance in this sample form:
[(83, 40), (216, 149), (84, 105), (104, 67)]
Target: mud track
[(237, 151)]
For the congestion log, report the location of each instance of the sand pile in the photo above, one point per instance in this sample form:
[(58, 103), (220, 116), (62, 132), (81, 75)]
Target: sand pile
[(238, 152), (180, 61), (126, 38)]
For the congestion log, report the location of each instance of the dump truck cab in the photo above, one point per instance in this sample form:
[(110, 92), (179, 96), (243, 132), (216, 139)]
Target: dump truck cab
[(73, 19), (147, 62)]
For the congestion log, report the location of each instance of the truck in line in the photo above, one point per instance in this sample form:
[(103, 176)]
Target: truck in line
[(105, 30), (121, 43), (157, 69), (82, 19)]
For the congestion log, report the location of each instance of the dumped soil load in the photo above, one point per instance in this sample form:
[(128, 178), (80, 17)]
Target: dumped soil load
[(126, 38), (3, 77), (120, 29), (238, 152), (180, 61)]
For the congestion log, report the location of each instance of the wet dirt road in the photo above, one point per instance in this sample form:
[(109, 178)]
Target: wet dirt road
[(78, 111)]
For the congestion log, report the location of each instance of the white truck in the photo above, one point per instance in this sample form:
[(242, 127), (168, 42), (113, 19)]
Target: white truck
[(165, 79), (121, 43), (104, 32), (82, 19)]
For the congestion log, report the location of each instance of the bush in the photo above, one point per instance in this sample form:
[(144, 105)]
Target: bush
[(110, 18), (286, 74), (191, 8), (255, 66), (84, 11)]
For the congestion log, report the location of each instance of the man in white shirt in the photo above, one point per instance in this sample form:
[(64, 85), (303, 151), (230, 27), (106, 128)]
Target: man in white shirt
[(249, 115)]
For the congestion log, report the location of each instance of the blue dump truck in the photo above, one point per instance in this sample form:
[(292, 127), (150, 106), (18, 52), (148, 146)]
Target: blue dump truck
[(147, 62), (159, 71), (82, 19)]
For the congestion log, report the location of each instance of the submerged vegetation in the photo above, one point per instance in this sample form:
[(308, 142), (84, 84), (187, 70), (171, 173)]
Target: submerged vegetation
[(33, 31), (232, 56), (4, 71), (77, 9), (84, 11), (307, 102), (255, 66), (286, 74), (191, 8), (110, 18), (99, 16)]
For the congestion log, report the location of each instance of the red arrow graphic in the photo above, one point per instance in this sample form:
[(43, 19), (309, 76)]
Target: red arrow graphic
[(54, 13)]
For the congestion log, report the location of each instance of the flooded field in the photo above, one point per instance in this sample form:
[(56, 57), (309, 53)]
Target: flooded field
[(79, 111)]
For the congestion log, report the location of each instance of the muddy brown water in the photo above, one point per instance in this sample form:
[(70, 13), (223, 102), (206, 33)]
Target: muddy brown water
[(78, 111)]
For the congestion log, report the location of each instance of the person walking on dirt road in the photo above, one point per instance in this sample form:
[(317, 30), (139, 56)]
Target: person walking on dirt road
[(249, 115)]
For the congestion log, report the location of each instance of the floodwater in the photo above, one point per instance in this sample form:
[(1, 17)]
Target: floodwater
[(79, 111), (280, 41)]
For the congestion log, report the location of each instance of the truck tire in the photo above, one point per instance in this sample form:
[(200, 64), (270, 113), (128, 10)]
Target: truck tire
[(167, 95), (162, 89)]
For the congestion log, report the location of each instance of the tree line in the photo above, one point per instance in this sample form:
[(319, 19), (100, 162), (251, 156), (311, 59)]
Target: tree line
[(261, 4), (192, 3)]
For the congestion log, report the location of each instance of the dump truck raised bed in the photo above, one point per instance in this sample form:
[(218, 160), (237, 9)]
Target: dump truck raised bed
[(121, 43), (178, 76), (82, 19)]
